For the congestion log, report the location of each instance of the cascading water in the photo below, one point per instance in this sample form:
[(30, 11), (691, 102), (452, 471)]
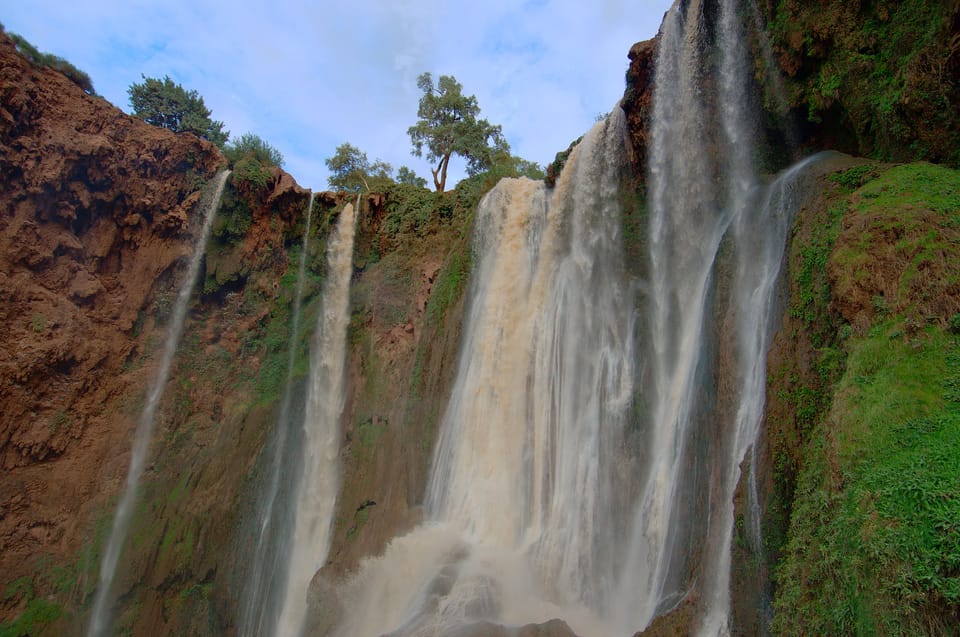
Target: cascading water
[(709, 327), (265, 586), (589, 456), (316, 490), (524, 517), (100, 615)]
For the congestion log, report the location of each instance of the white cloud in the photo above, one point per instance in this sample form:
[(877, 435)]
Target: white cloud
[(309, 76)]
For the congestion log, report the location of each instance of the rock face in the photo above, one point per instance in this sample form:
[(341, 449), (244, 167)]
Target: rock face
[(96, 210), (870, 77), (638, 99), (98, 213)]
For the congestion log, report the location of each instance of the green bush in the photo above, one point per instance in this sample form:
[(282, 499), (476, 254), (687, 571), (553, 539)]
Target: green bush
[(251, 146), (249, 175)]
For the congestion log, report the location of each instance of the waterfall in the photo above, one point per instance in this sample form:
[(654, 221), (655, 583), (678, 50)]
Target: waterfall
[(760, 234), (717, 238), (316, 490), (264, 590), (590, 453), (524, 516), (100, 615)]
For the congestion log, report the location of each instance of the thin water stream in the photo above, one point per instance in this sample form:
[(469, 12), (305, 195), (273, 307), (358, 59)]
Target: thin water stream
[(101, 615), (265, 586)]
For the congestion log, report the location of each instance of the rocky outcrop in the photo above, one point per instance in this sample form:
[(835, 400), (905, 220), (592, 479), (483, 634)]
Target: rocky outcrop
[(98, 213), (637, 100)]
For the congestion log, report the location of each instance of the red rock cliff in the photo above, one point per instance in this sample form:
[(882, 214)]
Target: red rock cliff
[(96, 207)]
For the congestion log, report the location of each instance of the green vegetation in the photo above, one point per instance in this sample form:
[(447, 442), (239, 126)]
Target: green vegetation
[(251, 146), (875, 537), (873, 546), (900, 250), (235, 215), (38, 323), (54, 62), (559, 161), (251, 157), (881, 78), (38, 615), (351, 171), (168, 105), (448, 125), (813, 298), (448, 287), (407, 177)]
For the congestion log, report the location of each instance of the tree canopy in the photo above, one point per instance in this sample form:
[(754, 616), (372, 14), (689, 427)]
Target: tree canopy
[(168, 105), (449, 124), (405, 175), (351, 171)]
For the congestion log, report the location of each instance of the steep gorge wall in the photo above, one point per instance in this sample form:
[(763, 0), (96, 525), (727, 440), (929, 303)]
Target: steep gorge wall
[(99, 211)]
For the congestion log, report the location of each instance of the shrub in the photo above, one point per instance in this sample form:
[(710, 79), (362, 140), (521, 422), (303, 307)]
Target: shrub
[(250, 175), (252, 146), (54, 62)]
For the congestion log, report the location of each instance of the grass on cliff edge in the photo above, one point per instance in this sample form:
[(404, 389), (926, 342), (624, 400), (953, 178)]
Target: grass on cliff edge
[(874, 542), (875, 534)]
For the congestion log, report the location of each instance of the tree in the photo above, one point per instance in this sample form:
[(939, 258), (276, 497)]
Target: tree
[(406, 176), (449, 125), (351, 171), (168, 105)]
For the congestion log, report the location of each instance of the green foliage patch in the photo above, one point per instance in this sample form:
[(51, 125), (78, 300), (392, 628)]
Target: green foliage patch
[(811, 302), (54, 62), (167, 104), (38, 615), (874, 545), (883, 72)]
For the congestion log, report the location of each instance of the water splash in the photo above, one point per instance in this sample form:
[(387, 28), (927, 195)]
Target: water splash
[(101, 615), (265, 588), (316, 491)]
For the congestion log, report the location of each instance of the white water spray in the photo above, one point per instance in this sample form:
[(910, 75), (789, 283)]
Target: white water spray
[(100, 615), (316, 492)]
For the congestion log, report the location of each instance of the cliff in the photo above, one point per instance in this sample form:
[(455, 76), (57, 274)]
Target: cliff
[(97, 216), (100, 210)]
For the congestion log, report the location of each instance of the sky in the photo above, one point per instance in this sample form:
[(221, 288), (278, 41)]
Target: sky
[(309, 76)]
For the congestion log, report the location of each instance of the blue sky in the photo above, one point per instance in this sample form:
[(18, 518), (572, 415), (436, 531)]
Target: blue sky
[(309, 76)]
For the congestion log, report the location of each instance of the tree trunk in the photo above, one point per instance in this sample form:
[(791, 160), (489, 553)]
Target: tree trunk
[(441, 170)]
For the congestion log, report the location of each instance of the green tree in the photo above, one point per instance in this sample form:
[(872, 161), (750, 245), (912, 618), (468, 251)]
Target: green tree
[(168, 105), (448, 124), (405, 175), (351, 171)]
